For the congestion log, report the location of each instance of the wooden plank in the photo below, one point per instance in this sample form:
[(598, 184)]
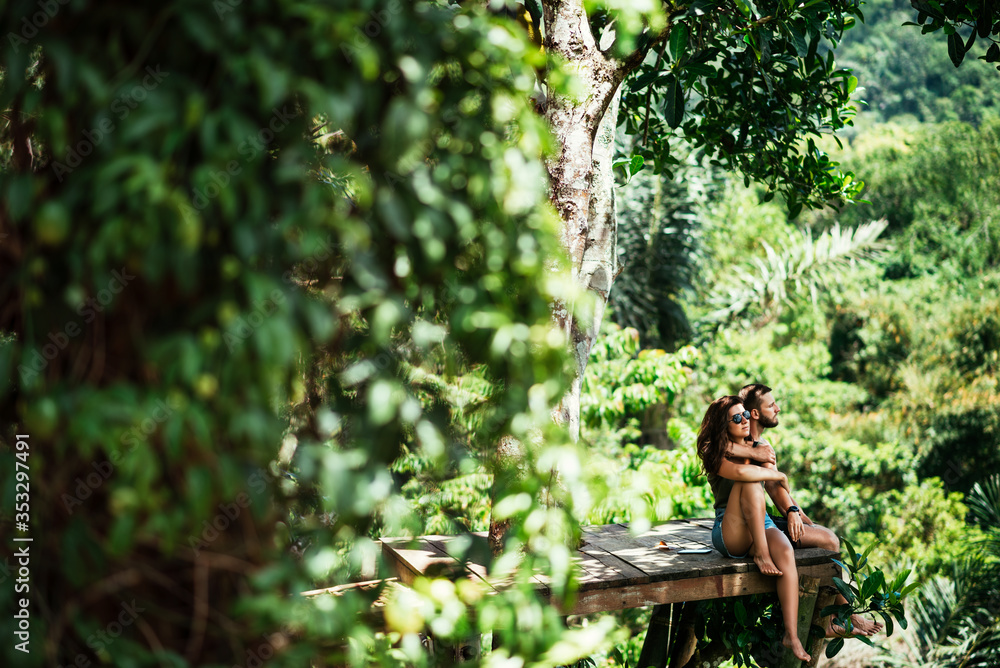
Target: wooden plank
[(686, 535), (542, 584), (605, 529), (440, 543), (478, 570), (691, 531), (596, 540), (676, 533), (340, 590), (688, 589), (409, 562), (680, 537), (678, 541), (646, 558), (703, 522), (595, 574), (429, 558), (688, 531), (672, 591), (601, 542), (701, 565), (619, 572), (642, 552)]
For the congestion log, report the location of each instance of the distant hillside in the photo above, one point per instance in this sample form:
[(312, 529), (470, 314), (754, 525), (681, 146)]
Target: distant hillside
[(906, 73)]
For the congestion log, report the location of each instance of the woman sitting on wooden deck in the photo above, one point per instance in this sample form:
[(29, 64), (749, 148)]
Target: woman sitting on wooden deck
[(742, 525)]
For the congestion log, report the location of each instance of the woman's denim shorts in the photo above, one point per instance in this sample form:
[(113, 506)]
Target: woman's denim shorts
[(720, 544)]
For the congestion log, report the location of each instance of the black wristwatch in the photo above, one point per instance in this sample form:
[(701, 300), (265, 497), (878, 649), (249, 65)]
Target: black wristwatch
[(755, 444), (792, 509)]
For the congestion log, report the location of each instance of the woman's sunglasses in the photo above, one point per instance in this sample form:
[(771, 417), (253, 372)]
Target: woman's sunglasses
[(740, 417)]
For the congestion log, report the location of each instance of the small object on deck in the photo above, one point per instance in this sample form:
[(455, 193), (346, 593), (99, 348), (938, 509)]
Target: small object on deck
[(700, 550), (662, 545)]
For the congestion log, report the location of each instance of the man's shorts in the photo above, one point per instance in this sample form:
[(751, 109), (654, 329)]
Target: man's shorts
[(720, 544)]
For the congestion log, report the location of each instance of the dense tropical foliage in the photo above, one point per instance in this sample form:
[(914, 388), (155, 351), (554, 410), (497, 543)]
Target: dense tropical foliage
[(886, 368)]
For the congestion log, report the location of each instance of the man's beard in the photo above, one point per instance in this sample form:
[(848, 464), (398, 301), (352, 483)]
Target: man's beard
[(766, 423)]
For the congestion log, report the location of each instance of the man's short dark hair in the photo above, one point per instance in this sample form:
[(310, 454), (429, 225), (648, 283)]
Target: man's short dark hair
[(750, 395)]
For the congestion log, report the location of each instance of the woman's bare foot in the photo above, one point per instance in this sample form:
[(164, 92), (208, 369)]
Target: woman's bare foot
[(765, 564), (792, 643)]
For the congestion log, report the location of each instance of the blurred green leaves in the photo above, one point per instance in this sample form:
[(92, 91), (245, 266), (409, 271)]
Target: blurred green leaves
[(322, 205)]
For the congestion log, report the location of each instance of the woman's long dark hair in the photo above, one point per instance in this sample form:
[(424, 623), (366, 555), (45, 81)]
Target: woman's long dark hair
[(713, 437)]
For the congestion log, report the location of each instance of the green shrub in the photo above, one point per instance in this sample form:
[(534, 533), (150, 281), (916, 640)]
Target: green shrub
[(923, 525), (970, 339), (622, 381), (958, 439), (935, 186), (869, 342)]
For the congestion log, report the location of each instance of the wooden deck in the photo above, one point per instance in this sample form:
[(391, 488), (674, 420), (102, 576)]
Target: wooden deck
[(618, 570)]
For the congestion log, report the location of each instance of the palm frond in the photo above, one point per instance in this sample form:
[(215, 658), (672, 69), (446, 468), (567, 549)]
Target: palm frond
[(949, 625), (984, 502), (805, 267)]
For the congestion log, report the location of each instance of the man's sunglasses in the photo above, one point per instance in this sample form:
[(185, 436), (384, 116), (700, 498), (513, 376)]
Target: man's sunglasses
[(740, 417)]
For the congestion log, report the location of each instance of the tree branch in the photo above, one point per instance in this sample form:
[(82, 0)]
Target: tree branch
[(649, 93), (627, 64)]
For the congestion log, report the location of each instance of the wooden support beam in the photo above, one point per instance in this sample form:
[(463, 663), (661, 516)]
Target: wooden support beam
[(827, 596), (657, 643), (686, 643)]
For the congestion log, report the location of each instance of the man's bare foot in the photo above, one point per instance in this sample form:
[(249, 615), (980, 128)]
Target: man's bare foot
[(838, 631), (792, 643), (765, 564), (867, 626), (859, 627)]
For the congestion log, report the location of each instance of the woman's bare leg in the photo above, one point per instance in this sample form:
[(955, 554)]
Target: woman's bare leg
[(788, 591), (743, 525)]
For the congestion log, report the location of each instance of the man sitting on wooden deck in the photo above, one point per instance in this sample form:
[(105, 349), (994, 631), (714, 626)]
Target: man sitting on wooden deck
[(801, 531)]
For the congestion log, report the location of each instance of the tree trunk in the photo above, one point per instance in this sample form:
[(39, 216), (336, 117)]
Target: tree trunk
[(582, 182), (582, 191), (505, 468)]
